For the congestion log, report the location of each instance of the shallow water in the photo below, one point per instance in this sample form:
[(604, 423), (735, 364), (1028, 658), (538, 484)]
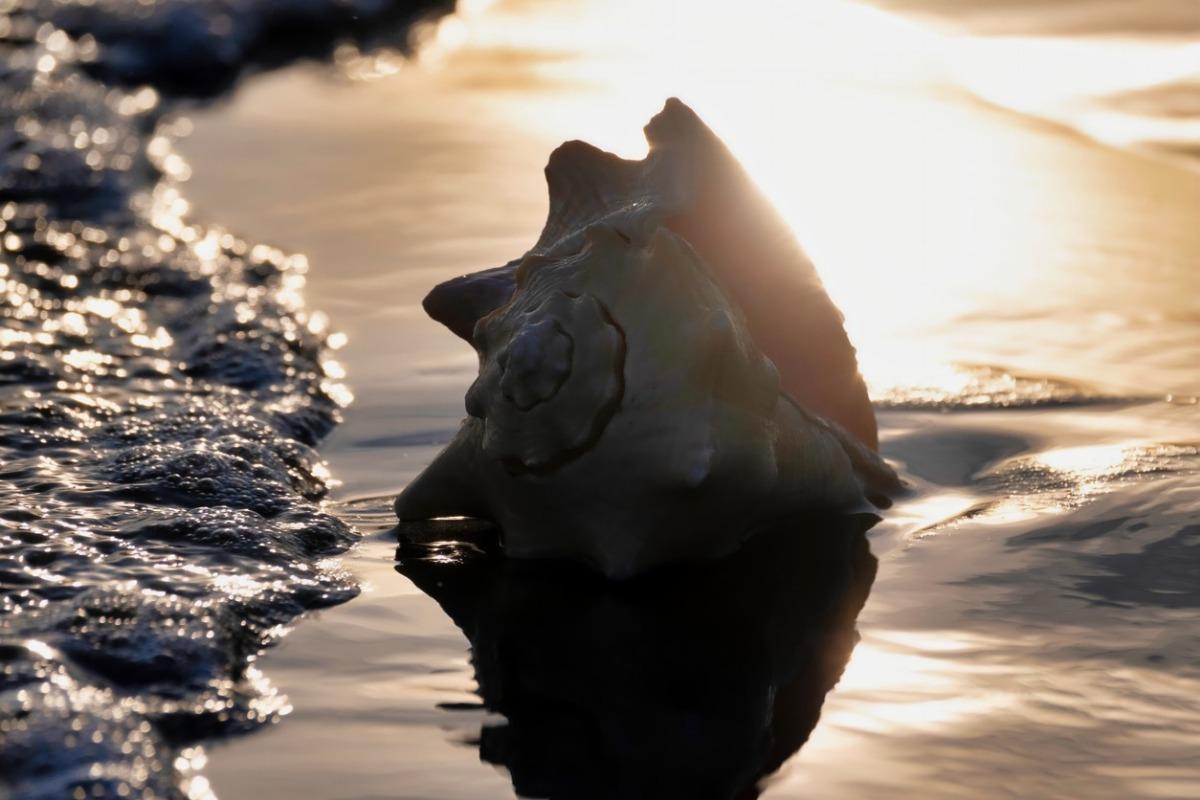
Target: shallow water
[(163, 388), (1031, 631), (1024, 302)]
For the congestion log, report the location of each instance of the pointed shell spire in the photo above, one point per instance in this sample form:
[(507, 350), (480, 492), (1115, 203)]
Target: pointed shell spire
[(691, 183)]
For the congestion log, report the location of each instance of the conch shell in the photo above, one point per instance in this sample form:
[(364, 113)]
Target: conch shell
[(629, 411)]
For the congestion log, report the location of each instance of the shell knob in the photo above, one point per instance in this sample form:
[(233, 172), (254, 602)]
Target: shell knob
[(550, 379)]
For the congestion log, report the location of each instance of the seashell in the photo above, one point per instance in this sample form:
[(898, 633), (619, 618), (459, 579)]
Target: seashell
[(551, 376), (625, 415), (691, 183)]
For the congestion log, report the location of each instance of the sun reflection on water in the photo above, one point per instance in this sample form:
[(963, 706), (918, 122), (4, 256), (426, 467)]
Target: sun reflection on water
[(905, 680), (852, 120), (1099, 459)]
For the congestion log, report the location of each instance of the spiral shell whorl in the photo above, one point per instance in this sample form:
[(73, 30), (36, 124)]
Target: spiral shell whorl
[(550, 378)]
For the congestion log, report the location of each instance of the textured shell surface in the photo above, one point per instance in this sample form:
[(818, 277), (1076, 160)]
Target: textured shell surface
[(625, 415), (691, 183)]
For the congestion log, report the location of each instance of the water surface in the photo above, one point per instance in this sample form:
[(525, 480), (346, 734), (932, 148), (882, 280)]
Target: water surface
[(1023, 300), (1024, 303)]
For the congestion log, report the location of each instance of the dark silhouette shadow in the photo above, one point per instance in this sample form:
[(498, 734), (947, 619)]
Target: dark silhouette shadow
[(696, 682), (202, 48)]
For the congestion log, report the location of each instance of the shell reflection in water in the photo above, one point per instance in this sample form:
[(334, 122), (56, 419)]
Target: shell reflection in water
[(695, 683)]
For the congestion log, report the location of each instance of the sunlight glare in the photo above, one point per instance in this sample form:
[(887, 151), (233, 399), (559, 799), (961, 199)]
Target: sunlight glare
[(841, 113), (910, 680), (1089, 460)]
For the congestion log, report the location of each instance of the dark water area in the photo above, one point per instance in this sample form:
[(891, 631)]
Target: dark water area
[(195, 530), (202, 49), (690, 683)]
